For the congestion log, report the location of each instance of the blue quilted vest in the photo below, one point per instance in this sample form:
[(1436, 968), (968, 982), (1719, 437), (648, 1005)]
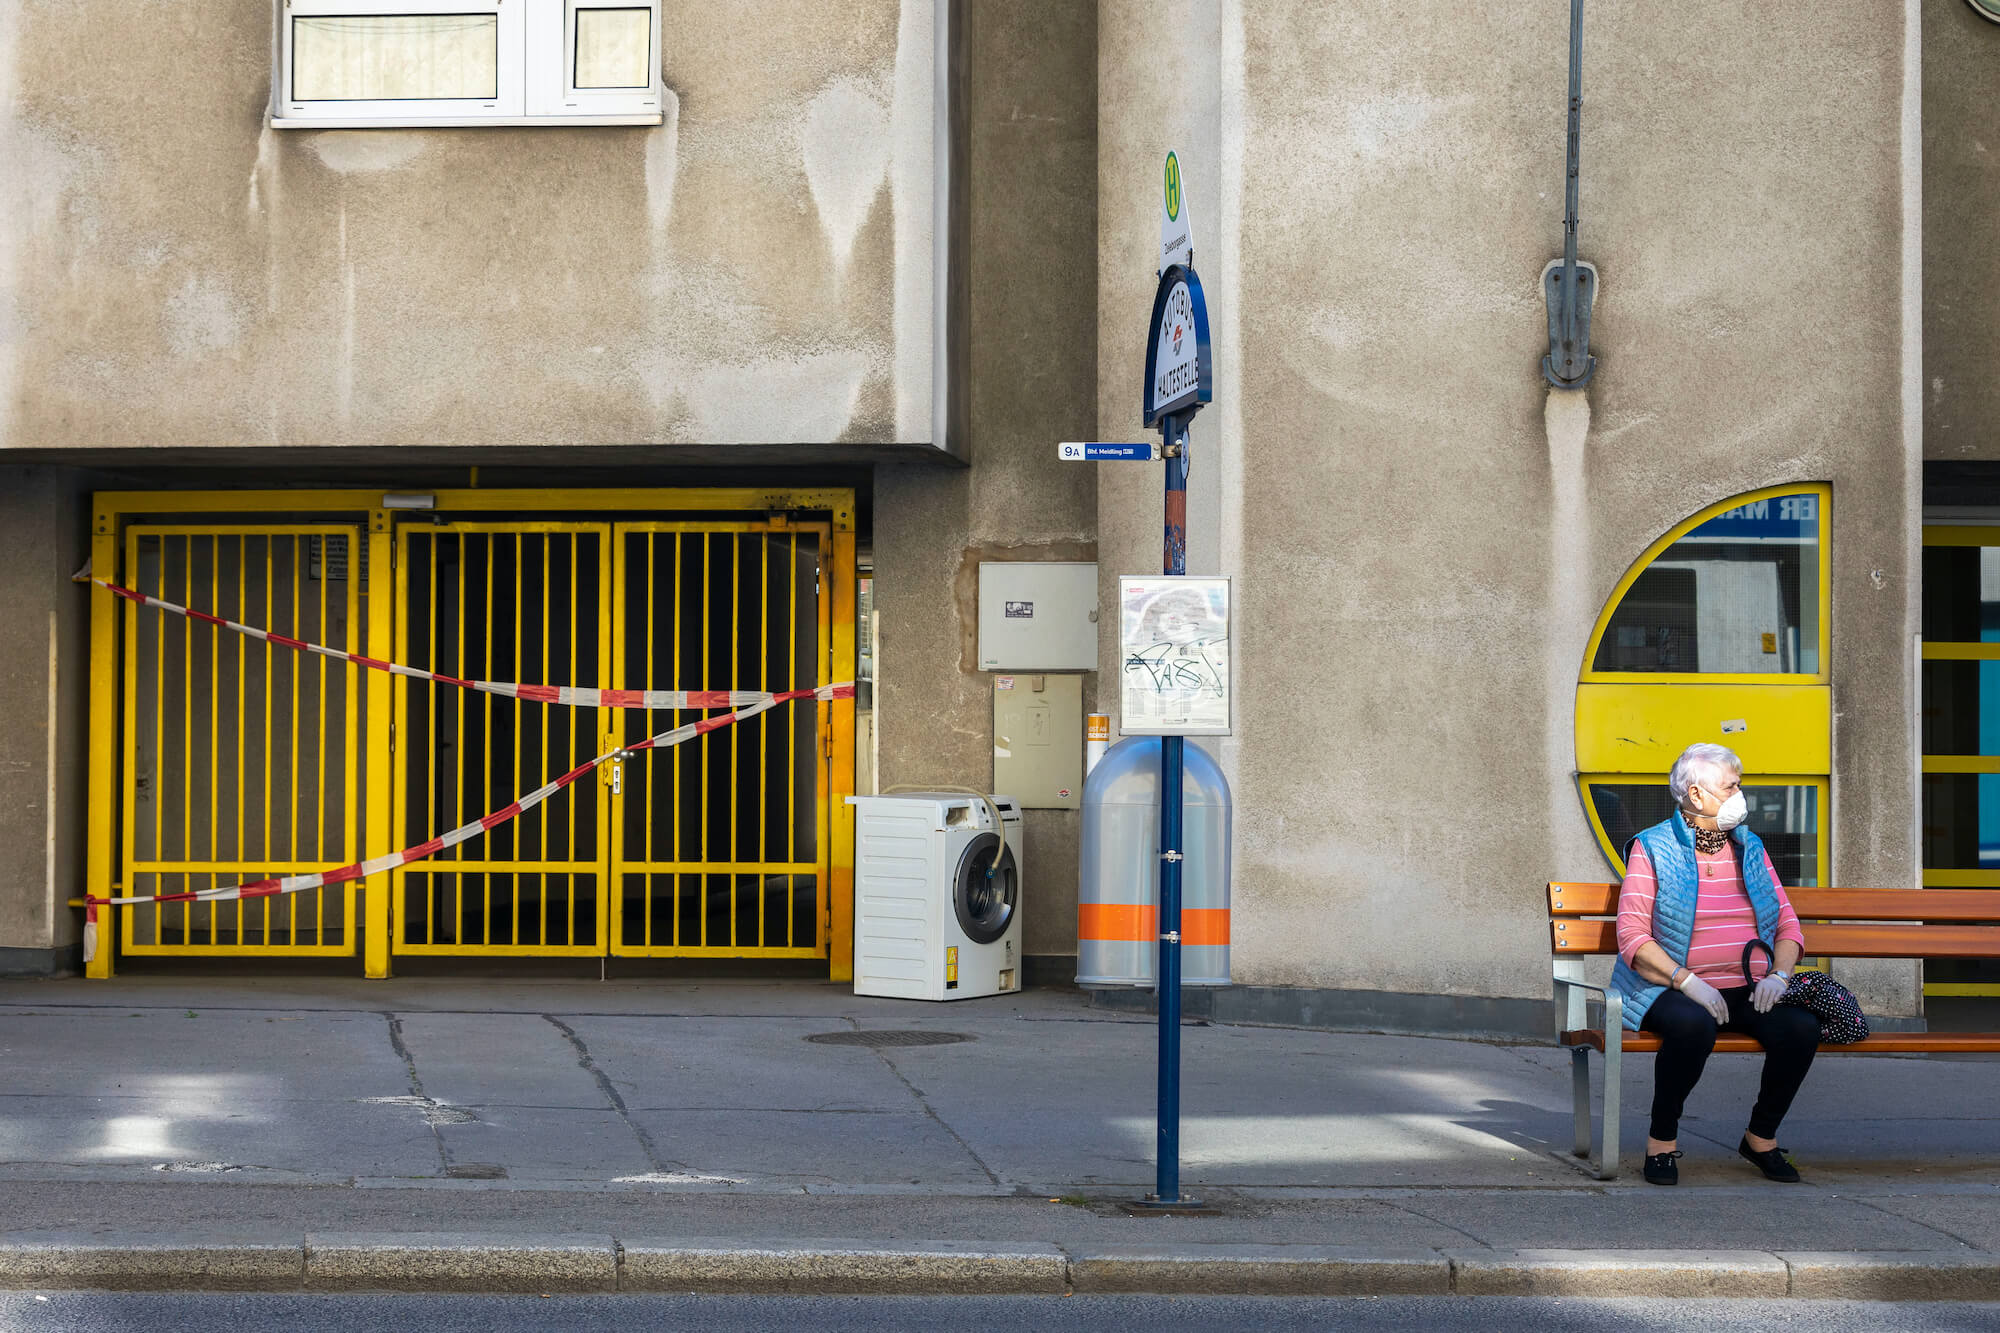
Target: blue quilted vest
[(1669, 845)]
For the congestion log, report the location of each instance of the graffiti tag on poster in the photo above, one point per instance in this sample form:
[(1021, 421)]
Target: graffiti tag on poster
[(1174, 655)]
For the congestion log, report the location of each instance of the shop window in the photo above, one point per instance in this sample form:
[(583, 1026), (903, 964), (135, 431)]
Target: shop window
[(1719, 632), (1784, 814), (467, 62), (1737, 594)]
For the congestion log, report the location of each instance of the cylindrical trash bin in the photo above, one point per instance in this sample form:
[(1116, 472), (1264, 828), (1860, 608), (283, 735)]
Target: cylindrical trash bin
[(1118, 892)]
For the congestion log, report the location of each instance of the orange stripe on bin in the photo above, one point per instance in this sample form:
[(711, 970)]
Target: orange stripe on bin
[(1139, 922)]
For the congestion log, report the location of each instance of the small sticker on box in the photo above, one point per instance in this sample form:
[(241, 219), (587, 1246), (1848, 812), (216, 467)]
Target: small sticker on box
[(1020, 610), (1003, 682)]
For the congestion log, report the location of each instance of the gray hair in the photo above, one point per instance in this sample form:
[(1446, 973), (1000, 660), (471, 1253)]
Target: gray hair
[(1702, 753)]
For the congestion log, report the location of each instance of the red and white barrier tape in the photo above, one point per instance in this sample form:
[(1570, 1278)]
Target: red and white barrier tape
[(375, 865), (575, 696), (758, 702)]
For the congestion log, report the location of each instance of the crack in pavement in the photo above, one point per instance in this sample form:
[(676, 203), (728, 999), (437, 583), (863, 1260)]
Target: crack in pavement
[(402, 1050), (610, 1094), (937, 1119)]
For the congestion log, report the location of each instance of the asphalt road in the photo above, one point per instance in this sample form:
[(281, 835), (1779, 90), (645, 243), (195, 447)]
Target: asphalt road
[(115, 1312)]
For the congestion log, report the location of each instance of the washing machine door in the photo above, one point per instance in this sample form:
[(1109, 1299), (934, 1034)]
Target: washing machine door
[(985, 903)]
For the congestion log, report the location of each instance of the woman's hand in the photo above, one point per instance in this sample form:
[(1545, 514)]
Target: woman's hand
[(1707, 996), (1769, 991)]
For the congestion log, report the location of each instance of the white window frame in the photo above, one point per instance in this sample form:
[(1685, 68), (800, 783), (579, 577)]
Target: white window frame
[(537, 57)]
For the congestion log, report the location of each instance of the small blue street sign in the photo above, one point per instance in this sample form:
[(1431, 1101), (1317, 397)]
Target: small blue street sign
[(1075, 452)]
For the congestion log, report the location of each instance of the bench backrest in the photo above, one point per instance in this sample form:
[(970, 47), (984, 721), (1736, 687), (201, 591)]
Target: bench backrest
[(1838, 923)]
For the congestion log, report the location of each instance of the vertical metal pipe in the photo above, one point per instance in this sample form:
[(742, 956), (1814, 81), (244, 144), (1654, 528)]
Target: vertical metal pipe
[(1167, 1181), (516, 775), (1571, 341), (735, 739), (701, 745), (239, 853), (569, 738), (674, 756), (486, 609), (546, 718), (764, 744), (649, 626)]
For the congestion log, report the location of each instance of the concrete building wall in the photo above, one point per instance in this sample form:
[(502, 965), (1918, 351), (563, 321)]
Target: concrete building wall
[(756, 270), (1423, 535), (1961, 242), (43, 657), (1029, 248)]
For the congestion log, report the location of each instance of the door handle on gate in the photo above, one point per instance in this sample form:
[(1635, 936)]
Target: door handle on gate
[(617, 765)]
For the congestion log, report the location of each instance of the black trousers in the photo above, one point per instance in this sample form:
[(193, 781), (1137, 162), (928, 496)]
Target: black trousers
[(1789, 1034)]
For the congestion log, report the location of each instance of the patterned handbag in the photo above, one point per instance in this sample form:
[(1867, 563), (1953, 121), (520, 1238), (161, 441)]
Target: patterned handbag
[(1839, 1013)]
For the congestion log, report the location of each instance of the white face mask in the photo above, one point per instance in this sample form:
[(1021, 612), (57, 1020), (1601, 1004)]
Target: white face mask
[(1733, 812)]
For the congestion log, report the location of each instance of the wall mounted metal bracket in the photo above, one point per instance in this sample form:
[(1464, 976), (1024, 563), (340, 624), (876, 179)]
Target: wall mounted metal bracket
[(1569, 286)]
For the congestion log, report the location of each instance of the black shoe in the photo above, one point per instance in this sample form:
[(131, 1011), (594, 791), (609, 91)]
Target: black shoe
[(1660, 1168), (1774, 1164)]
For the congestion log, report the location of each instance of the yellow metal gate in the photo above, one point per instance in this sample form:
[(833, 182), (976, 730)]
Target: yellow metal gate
[(240, 760), (717, 842), (216, 759), (707, 849), (500, 602)]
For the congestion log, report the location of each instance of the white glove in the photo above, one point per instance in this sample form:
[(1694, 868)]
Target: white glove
[(1769, 991), (1707, 996)]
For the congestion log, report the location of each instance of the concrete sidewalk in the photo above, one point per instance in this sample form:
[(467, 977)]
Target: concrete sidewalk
[(164, 1117)]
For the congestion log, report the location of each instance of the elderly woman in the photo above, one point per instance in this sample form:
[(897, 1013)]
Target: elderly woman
[(1699, 887)]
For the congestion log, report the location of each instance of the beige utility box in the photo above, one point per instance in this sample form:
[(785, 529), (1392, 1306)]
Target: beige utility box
[(1038, 740), (1037, 615)]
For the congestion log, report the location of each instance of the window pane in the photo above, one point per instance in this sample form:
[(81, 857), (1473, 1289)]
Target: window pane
[(395, 57), (1785, 817), (614, 48), (1962, 821), (1962, 594), (1961, 707), (1739, 594)]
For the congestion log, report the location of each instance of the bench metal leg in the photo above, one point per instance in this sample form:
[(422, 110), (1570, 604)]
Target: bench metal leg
[(1579, 1081), (1570, 1015), (1606, 1160)]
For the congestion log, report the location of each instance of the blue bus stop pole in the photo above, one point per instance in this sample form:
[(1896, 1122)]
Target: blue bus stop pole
[(1167, 1182)]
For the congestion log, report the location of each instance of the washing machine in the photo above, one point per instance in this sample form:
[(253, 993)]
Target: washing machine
[(935, 917)]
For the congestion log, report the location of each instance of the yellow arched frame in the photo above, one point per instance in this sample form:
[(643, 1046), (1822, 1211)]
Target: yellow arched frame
[(1631, 725)]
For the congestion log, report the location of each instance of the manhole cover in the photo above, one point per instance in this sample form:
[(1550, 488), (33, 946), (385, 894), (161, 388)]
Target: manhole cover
[(890, 1037)]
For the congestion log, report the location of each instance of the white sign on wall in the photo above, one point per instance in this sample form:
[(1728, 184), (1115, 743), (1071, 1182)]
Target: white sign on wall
[(1174, 655)]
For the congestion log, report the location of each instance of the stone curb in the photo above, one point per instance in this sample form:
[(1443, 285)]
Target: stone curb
[(458, 1261), (1887, 1276), (493, 1262), (842, 1267), (1618, 1273), (150, 1263), (1260, 1270)]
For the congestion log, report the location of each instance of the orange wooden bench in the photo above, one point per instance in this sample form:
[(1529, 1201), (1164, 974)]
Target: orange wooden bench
[(1838, 923)]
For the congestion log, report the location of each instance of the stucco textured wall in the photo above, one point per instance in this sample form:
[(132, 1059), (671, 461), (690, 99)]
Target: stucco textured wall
[(757, 270), (1030, 252), (1961, 243), (1422, 538)]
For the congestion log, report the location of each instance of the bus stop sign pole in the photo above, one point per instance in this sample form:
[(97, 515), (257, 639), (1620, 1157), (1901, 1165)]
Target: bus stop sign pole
[(1180, 378)]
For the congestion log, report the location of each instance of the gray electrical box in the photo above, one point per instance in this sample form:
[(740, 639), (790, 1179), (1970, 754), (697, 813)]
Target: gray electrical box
[(1038, 740), (1037, 615)]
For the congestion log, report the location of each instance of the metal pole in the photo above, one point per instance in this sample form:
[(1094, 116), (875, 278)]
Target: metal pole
[(1570, 185), (1167, 1184)]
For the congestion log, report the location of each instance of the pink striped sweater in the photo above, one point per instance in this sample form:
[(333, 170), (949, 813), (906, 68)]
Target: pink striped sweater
[(1724, 920)]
